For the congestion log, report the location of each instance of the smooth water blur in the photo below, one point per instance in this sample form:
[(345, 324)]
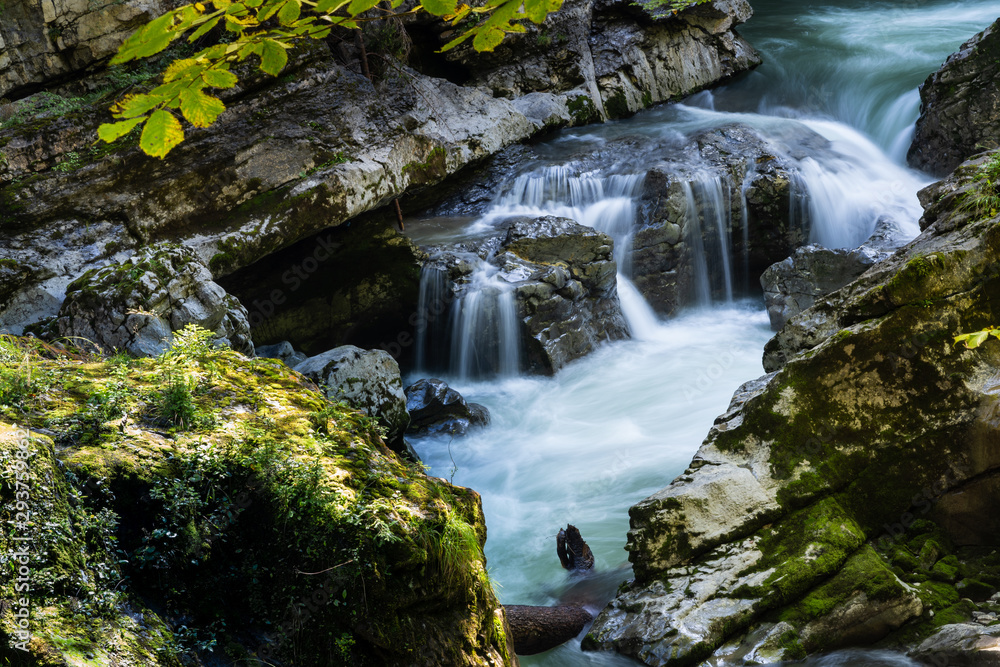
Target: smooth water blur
[(854, 61), (607, 431)]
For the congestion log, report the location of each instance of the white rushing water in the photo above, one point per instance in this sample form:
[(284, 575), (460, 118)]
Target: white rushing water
[(618, 425)]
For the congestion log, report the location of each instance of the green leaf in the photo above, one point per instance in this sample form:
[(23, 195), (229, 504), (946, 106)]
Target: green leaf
[(488, 38), (273, 57), (358, 6), (219, 78), (182, 69), (327, 6), (113, 131), (537, 10), (269, 9), (147, 40), (136, 105), (440, 7), (289, 12), (455, 42), (162, 133), (200, 109), (205, 27)]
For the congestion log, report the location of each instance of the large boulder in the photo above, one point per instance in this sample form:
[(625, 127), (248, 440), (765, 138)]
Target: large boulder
[(437, 409), (823, 498), (136, 306), (960, 106), (279, 531), (367, 380), (960, 645)]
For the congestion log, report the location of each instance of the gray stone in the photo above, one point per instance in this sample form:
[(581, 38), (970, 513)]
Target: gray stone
[(960, 645), (283, 351), (134, 307), (960, 106), (437, 409), (368, 380)]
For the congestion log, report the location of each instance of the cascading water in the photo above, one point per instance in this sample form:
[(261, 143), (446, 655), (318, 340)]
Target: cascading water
[(618, 425), (709, 214), (485, 338)]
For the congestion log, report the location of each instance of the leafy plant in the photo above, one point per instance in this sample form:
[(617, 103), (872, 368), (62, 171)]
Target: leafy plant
[(266, 30), (673, 6), (974, 340), (984, 197)]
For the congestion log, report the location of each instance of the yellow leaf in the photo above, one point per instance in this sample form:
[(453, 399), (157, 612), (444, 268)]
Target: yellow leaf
[(200, 109), (162, 133), (112, 131)]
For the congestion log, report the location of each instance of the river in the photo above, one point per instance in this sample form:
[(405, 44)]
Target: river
[(614, 427)]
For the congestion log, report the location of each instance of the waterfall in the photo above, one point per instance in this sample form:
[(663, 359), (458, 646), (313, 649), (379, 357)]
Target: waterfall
[(431, 326), (745, 222), (709, 214), (485, 333)]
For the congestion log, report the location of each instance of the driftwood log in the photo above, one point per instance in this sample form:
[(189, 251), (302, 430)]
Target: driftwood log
[(538, 629)]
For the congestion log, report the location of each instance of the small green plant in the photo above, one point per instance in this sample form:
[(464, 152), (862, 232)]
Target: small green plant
[(672, 6), (984, 197), (176, 405), (71, 162)]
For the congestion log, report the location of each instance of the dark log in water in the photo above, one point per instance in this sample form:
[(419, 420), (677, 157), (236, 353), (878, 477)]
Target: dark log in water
[(538, 629), (574, 554)]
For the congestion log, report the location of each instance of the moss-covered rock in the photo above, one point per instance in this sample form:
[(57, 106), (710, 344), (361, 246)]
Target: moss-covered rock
[(200, 507)]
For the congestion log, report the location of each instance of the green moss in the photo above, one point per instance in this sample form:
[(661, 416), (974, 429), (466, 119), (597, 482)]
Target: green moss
[(617, 105), (583, 111)]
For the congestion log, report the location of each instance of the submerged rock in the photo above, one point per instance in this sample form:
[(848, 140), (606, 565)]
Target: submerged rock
[(367, 380), (437, 409), (807, 498), (960, 106), (136, 306)]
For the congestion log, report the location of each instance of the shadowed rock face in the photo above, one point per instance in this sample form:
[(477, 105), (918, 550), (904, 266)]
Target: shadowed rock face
[(960, 106), (776, 541)]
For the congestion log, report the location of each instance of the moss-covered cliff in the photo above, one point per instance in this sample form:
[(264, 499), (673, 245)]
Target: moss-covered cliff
[(205, 508)]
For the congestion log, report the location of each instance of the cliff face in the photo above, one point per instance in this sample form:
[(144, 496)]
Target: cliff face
[(204, 508), (801, 523), (307, 151)]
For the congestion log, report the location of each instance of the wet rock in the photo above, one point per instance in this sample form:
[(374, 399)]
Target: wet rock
[(960, 106), (134, 307), (283, 351), (961, 645), (437, 409), (802, 492), (566, 285), (368, 380), (794, 284)]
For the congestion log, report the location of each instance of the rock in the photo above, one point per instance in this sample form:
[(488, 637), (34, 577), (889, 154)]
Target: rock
[(794, 284), (959, 106), (617, 56), (538, 629), (733, 177), (282, 351), (287, 497), (367, 380), (437, 409), (136, 306), (960, 645), (566, 285), (45, 41), (866, 436)]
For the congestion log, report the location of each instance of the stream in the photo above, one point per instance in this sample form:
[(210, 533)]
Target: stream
[(618, 425)]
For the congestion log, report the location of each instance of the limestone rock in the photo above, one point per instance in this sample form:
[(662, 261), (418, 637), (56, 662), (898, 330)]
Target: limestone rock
[(794, 284), (134, 307), (368, 380), (960, 645), (283, 351), (617, 57), (960, 106), (437, 409), (568, 295)]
